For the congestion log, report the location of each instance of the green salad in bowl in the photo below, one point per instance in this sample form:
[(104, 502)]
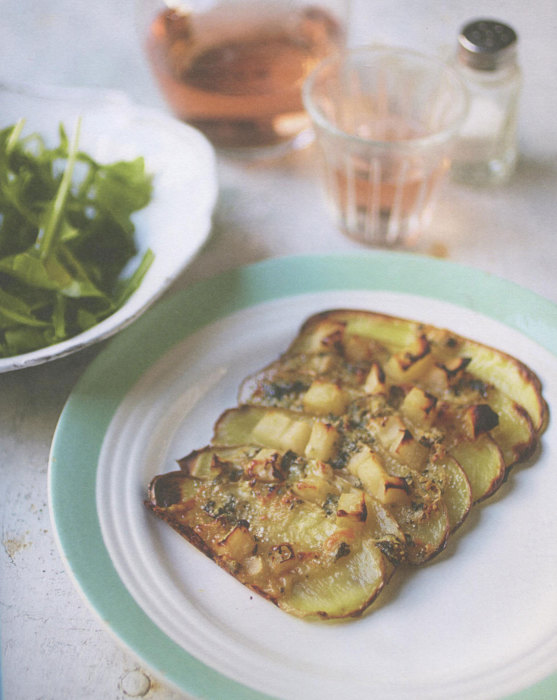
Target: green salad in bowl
[(66, 235), (102, 205)]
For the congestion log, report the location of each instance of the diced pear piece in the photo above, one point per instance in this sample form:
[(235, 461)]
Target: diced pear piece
[(328, 335), (411, 363), (356, 348), (399, 441), (238, 543), (420, 407), (322, 443), (351, 509), (321, 363), (444, 374), (375, 382), (312, 488), (271, 427), (266, 466), (410, 452), (351, 517), (282, 558), (367, 466), (268, 427), (279, 430), (201, 464), (320, 469), (296, 437), (388, 429), (478, 419), (511, 377), (206, 464), (323, 398), (254, 565)]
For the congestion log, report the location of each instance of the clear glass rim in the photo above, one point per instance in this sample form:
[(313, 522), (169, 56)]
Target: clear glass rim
[(436, 138)]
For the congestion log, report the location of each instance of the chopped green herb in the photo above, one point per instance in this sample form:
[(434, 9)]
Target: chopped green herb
[(66, 235)]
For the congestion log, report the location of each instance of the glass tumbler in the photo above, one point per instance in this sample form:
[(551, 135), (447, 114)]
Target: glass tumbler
[(386, 120), (234, 69)]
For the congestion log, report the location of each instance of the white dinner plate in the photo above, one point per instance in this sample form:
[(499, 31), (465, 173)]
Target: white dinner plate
[(479, 622), (177, 221)]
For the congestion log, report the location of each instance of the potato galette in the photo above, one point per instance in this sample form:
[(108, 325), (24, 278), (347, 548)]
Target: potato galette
[(363, 447)]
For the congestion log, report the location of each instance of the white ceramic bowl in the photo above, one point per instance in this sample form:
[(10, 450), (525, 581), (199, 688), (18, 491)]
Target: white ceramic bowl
[(177, 221)]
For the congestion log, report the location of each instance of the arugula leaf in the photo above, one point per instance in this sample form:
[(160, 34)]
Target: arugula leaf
[(18, 310), (49, 230), (66, 234)]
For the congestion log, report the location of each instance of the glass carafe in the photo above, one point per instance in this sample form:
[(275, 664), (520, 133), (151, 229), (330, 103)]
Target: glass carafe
[(234, 68)]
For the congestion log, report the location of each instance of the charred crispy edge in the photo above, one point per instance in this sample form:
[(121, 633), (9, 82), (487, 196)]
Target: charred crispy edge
[(525, 449), (498, 482), (525, 372), (193, 538), (152, 490), (420, 553), (529, 377), (185, 530), (355, 613), (458, 524)]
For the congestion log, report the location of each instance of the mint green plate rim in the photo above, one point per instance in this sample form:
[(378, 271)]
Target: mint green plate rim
[(89, 410)]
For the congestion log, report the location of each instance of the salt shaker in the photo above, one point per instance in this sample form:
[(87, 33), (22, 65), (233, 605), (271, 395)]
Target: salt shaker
[(486, 151)]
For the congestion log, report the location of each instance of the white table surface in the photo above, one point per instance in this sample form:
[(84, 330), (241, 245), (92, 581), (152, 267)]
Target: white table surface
[(53, 646)]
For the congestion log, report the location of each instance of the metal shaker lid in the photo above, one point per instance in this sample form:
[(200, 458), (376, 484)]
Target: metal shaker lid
[(487, 44)]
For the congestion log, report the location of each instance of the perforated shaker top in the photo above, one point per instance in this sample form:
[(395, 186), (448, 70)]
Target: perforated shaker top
[(487, 44)]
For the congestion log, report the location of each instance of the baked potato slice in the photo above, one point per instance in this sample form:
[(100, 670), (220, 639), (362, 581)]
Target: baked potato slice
[(483, 463), (344, 590), (328, 557), (455, 488), (514, 433)]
